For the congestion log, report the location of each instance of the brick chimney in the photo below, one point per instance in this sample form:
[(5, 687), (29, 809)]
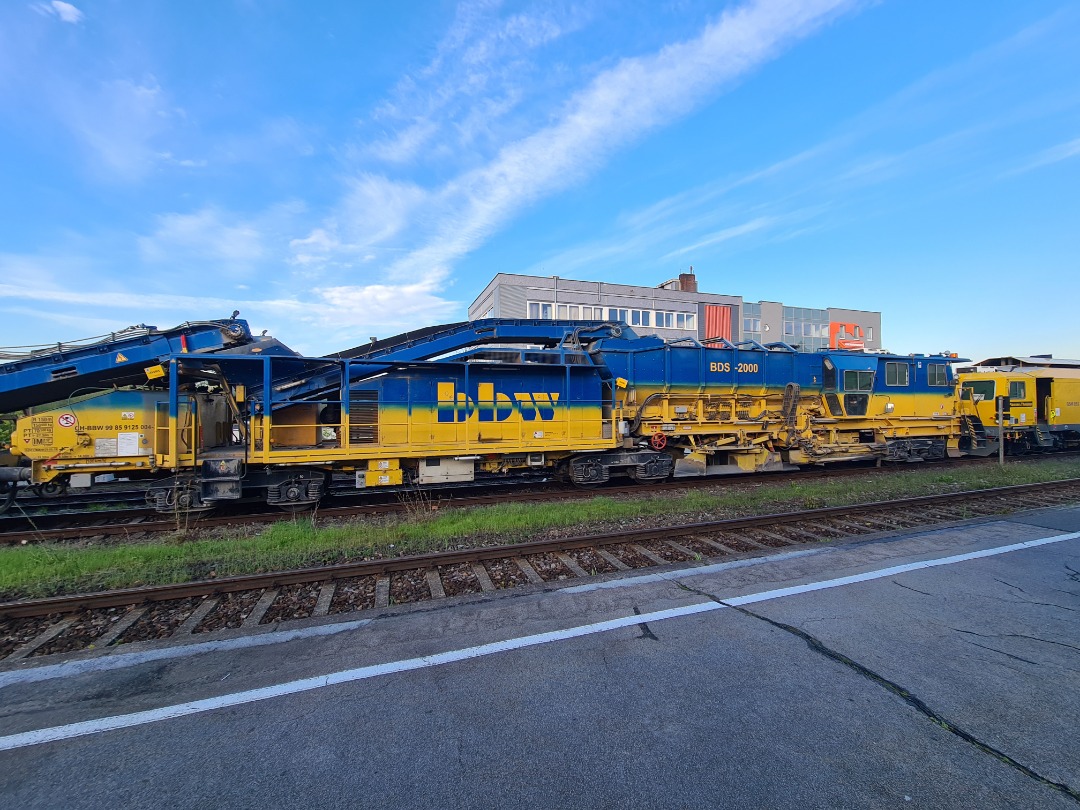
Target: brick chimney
[(688, 281)]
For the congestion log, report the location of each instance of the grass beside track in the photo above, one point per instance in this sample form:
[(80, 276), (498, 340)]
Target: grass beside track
[(53, 569)]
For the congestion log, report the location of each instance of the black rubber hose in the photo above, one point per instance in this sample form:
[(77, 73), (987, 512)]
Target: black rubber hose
[(8, 491)]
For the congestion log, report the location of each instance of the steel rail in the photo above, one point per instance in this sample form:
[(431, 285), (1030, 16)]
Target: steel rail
[(142, 595), (437, 498)]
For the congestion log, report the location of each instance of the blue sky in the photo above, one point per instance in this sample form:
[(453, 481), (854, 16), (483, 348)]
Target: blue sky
[(338, 170)]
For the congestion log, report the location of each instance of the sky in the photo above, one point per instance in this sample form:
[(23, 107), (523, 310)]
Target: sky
[(341, 170)]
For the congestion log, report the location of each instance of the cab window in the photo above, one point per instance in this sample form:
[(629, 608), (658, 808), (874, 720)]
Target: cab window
[(858, 381), (980, 390), (896, 374), (1017, 389), (937, 374), (829, 375)]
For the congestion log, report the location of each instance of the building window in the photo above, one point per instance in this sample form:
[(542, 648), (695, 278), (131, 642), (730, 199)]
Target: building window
[(574, 312), (617, 315), (646, 317), (858, 381), (869, 333), (562, 312), (937, 374), (539, 309), (896, 373), (1017, 389)]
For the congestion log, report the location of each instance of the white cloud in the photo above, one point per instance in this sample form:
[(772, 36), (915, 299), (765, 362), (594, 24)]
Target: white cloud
[(118, 122), (325, 320), (204, 235), (58, 8), (474, 80), (392, 307), (1048, 157), (316, 247), (187, 163), (272, 139), (723, 235), (617, 107)]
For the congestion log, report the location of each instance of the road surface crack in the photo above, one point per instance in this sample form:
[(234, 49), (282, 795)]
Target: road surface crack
[(902, 585), (646, 631), (1019, 635), (1001, 652), (819, 647)]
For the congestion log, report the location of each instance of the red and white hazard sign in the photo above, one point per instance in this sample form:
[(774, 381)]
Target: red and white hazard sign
[(66, 420)]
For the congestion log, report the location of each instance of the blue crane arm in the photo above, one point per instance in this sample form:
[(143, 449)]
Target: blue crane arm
[(56, 372)]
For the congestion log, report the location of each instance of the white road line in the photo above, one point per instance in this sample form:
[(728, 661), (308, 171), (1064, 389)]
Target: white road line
[(122, 660), (66, 732), (129, 659)]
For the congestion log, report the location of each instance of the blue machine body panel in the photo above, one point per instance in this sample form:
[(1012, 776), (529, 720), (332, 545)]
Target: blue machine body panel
[(649, 362)]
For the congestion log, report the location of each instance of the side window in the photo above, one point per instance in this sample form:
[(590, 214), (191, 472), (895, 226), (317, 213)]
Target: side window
[(858, 381), (896, 374), (937, 374), (1017, 389)]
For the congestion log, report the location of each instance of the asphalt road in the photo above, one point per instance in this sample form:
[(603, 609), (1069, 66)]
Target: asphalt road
[(940, 669)]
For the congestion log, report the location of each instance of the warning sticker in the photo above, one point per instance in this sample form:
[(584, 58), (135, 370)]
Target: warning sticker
[(66, 420), (120, 357)]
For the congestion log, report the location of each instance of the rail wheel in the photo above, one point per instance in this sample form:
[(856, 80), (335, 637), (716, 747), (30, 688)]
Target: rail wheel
[(56, 488), (658, 441)]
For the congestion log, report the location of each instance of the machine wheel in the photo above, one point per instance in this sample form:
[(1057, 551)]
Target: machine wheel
[(658, 441)]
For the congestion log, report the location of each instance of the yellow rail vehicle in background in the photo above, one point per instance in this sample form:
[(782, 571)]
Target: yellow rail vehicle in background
[(1042, 396)]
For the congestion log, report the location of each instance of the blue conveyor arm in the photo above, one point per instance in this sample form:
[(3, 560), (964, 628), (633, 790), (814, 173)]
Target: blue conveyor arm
[(439, 341), (53, 373)]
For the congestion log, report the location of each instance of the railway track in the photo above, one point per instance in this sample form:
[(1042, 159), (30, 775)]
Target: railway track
[(37, 628), (131, 523)]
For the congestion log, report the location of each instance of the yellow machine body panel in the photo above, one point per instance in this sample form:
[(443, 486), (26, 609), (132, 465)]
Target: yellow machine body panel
[(108, 432)]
